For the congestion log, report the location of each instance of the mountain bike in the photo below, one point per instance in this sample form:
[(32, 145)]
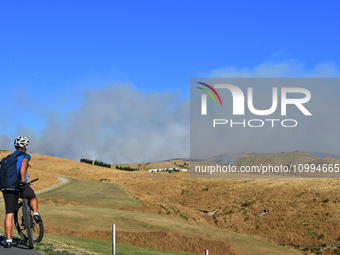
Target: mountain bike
[(27, 227)]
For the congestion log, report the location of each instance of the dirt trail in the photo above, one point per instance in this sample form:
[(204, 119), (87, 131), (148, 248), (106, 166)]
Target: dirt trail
[(63, 181)]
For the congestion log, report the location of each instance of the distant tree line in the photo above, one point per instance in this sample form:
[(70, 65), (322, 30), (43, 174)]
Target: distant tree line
[(101, 163), (96, 162), (126, 168), (85, 160)]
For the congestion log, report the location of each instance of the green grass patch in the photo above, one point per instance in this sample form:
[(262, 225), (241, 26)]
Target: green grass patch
[(91, 193), (56, 245)]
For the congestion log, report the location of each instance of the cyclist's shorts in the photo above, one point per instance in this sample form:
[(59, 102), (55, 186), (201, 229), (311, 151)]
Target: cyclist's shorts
[(11, 198)]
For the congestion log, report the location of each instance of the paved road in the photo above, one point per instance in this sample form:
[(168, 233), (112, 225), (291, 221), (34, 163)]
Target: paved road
[(18, 248)]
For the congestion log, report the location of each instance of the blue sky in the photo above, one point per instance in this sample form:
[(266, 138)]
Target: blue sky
[(54, 54)]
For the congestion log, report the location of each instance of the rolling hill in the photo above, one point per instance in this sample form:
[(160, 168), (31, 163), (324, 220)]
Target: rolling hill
[(172, 211)]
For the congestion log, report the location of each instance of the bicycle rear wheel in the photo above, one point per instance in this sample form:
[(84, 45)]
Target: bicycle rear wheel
[(37, 229)]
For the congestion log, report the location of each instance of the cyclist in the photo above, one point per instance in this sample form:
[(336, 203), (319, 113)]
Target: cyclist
[(11, 197)]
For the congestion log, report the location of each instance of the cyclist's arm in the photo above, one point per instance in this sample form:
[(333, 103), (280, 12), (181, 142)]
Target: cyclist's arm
[(23, 168)]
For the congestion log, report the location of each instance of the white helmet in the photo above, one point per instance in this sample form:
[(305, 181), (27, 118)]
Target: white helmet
[(21, 141)]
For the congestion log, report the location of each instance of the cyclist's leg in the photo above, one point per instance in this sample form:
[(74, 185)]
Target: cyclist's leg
[(32, 200), (11, 204), (34, 204), (9, 225)]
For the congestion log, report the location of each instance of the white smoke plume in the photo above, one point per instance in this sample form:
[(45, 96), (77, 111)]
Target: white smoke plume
[(120, 124), (116, 125)]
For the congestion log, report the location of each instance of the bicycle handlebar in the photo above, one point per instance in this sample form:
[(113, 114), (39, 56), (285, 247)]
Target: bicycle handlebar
[(29, 183), (22, 185)]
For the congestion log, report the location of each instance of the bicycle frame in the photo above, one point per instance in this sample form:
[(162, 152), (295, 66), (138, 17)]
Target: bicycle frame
[(27, 228)]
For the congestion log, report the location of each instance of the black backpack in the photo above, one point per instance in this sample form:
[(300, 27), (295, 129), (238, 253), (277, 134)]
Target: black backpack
[(8, 172)]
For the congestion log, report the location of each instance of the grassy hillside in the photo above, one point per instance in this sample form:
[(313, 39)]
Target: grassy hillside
[(140, 228), (302, 212)]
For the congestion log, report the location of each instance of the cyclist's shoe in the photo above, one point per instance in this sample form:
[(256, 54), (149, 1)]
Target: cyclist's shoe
[(8, 245), (37, 218)]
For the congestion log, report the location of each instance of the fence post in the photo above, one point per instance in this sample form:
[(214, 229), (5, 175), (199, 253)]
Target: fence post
[(206, 252), (113, 239)]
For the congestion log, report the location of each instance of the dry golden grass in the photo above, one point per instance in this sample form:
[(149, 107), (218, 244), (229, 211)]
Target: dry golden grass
[(175, 242)]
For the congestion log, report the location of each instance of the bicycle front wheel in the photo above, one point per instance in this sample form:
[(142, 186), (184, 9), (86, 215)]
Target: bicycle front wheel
[(27, 221), (37, 229)]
